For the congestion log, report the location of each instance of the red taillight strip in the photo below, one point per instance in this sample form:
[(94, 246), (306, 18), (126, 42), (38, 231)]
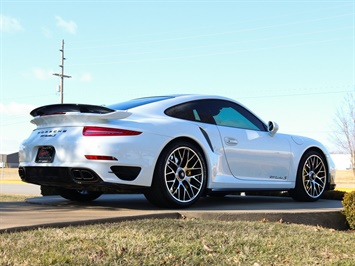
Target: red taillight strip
[(100, 157), (90, 131)]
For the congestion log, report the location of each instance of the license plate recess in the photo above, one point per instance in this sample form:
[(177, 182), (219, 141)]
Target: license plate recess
[(45, 154)]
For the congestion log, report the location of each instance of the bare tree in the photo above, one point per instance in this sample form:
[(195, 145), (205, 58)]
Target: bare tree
[(344, 134)]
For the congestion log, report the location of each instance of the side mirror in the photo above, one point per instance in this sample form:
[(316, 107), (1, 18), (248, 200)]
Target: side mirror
[(272, 128)]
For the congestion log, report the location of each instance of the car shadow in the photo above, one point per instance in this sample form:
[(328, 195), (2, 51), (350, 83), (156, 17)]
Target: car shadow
[(227, 203)]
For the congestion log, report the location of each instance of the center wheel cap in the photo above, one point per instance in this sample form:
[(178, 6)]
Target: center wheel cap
[(311, 174), (181, 175)]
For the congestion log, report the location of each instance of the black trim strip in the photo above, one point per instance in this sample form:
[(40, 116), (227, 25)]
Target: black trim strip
[(204, 133)]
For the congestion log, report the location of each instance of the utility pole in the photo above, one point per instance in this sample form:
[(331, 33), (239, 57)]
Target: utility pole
[(61, 75)]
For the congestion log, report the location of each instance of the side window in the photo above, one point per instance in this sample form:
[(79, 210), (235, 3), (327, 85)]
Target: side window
[(234, 115), (231, 118), (184, 111), (199, 111), (217, 112), (197, 117)]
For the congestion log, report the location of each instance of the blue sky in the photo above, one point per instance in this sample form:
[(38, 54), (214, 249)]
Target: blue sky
[(292, 62)]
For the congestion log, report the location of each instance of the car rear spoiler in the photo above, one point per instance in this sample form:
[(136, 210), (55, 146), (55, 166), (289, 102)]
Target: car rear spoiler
[(54, 109), (66, 114)]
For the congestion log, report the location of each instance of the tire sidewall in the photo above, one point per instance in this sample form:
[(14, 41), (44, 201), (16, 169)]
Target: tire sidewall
[(299, 193), (159, 174)]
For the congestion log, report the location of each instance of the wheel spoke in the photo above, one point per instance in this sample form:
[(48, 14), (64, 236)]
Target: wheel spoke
[(186, 193), (314, 176), (184, 174)]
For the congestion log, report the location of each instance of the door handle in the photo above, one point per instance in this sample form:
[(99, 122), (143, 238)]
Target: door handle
[(230, 141)]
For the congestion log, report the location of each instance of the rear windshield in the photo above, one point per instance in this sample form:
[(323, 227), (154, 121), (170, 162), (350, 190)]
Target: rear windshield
[(138, 102)]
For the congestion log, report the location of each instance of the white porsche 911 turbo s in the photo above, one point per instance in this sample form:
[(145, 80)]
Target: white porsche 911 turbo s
[(173, 148)]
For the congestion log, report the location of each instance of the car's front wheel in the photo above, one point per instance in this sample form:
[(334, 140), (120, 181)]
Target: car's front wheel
[(311, 178), (179, 177), (78, 195)]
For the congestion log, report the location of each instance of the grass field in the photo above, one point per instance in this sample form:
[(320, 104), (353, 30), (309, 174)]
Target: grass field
[(9, 174), (179, 242)]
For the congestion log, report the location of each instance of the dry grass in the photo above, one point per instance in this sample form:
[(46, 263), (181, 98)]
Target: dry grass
[(9, 174), (345, 178), (14, 197), (179, 242)]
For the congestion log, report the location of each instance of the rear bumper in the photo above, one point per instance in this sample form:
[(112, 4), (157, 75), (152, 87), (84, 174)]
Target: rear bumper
[(69, 177)]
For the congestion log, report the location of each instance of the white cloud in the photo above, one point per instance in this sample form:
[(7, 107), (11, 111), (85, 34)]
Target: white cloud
[(9, 24), (16, 108), (42, 74), (86, 77), (68, 26)]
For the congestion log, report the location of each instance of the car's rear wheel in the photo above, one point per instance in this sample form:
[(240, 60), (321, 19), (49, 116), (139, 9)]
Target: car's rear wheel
[(179, 177), (311, 178), (78, 195)]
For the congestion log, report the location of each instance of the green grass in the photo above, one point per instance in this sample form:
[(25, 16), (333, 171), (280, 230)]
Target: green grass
[(179, 242)]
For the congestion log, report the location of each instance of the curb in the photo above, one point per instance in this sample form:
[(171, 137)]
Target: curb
[(172, 215), (327, 219), (53, 211)]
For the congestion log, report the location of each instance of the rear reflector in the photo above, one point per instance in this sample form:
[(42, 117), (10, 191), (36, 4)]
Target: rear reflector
[(105, 131), (100, 157)]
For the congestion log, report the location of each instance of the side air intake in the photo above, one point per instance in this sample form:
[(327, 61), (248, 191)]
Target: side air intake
[(127, 173)]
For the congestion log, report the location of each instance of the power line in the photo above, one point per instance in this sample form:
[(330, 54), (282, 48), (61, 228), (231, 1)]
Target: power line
[(209, 54)]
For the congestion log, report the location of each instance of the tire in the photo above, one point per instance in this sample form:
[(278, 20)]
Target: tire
[(311, 178), (78, 195), (179, 177)]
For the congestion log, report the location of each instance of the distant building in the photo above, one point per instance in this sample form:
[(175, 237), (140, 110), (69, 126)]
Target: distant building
[(9, 160), (342, 161)]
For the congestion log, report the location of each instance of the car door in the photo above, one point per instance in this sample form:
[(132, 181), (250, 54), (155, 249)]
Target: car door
[(251, 152)]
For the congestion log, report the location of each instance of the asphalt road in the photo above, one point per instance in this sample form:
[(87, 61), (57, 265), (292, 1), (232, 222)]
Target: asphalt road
[(25, 189), (54, 211)]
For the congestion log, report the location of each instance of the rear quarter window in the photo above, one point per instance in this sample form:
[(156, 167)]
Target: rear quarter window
[(183, 111)]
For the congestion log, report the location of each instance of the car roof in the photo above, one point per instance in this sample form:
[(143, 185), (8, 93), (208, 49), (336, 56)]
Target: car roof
[(162, 101)]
